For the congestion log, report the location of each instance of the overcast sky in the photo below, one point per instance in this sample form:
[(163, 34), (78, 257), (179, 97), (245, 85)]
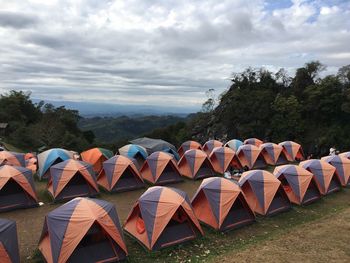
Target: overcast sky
[(160, 52)]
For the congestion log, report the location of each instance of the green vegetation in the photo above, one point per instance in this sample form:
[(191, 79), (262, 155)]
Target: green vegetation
[(34, 125), (123, 128), (311, 110)]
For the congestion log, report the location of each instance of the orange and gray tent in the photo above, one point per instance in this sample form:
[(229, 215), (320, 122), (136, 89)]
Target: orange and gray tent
[(71, 179), (210, 145), (220, 203), (195, 164), (83, 230), (250, 156), (293, 151), (273, 153), (345, 154), (17, 188), (162, 217), (12, 158), (263, 192), (298, 183), (223, 159), (160, 168), (31, 162), (96, 157), (342, 166), (188, 145), (253, 141), (324, 174), (134, 151), (51, 157), (234, 144), (119, 174), (9, 252)]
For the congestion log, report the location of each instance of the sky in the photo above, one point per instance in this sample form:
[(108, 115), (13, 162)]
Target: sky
[(161, 53)]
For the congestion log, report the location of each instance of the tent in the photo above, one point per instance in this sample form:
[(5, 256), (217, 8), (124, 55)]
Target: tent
[(188, 145), (234, 144), (160, 168), (195, 164), (324, 175), (12, 158), (342, 166), (250, 156), (345, 155), (83, 230), (17, 188), (220, 204), (70, 179), (119, 173), (253, 141), (210, 145), (155, 145), (51, 157), (134, 151), (263, 192), (273, 153), (293, 151), (96, 157), (162, 217), (298, 183), (9, 252), (31, 162), (223, 159)]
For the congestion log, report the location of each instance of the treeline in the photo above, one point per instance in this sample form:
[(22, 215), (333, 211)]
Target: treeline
[(306, 108), (35, 125)]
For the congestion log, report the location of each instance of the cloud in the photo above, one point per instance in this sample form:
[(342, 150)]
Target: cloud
[(17, 20), (160, 52)]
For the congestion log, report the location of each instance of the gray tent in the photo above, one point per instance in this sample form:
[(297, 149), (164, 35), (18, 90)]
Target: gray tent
[(155, 145)]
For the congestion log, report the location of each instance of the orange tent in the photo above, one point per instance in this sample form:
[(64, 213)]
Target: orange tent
[(162, 217), (17, 188), (120, 174), (253, 141), (223, 159), (160, 168), (83, 230), (188, 145), (293, 151), (210, 145), (96, 157), (298, 183), (220, 203), (250, 156), (263, 192), (195, 164)]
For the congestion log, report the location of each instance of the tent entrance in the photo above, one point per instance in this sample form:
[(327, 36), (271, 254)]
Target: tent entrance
[(204, 171), (281, 159), (97, 246), (280, 203), (178, 230), (169, 175), (334, 185), (13, 196), (312, 194), (260, 162), (128, 181), (238, 216), (77, 186)]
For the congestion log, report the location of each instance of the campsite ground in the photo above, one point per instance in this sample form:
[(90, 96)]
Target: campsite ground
[(315, 232)]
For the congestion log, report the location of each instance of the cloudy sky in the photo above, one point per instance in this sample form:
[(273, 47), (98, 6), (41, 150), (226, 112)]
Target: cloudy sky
[(160, 52)]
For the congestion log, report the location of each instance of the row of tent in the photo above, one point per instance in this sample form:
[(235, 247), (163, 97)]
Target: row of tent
[(88, 230), (70, 178)]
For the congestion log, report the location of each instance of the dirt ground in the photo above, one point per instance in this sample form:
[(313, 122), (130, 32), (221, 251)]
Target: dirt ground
[(326, 240)]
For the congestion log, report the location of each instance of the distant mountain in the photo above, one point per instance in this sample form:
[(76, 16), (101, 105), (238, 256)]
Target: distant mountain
[(91, 109), (113, 129)]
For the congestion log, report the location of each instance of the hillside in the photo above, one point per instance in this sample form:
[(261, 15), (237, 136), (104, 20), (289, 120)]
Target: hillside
[(112, 129)]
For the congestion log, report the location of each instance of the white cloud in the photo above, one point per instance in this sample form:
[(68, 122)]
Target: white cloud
[(159, 52)]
